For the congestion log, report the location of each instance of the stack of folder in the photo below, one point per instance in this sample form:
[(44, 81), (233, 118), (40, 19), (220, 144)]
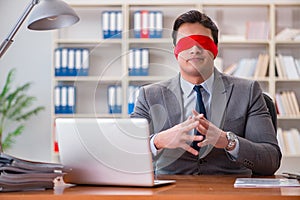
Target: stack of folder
[(148, 24), (112, 24), (65, 99), (71, 61), (21, 175), (139, 62)]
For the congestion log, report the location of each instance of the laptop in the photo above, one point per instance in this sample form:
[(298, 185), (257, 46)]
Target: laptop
[(106, 151)]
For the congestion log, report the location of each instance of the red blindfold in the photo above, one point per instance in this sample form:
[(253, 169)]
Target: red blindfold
[(198, 40)]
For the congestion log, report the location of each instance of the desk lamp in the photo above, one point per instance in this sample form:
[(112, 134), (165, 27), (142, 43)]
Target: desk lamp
[(48, 15)]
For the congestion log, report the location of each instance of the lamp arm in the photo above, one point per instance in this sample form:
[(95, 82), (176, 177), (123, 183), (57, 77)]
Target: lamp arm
[(9, 40)]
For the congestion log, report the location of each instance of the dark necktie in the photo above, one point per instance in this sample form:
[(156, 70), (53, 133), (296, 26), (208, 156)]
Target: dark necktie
[(200, 109)]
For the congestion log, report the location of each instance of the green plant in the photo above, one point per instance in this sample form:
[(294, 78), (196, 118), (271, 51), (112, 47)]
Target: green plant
[(14, 110)]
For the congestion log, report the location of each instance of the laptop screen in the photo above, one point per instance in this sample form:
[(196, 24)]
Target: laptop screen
[(105, 151)]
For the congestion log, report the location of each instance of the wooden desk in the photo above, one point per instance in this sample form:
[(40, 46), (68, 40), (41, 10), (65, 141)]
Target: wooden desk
[(185, 188)]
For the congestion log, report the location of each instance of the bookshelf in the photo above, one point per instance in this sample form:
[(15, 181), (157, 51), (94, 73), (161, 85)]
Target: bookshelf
[(109, 60)]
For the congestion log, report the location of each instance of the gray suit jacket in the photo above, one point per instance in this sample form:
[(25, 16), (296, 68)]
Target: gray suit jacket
[(237, 105)]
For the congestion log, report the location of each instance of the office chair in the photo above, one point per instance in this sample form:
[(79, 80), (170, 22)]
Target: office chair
[(272, 109)]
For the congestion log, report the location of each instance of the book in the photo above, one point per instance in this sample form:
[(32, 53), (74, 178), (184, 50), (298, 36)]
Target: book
[(261, 66), (279, 68), (288, 34), (289, 141), (290, 67), (280, 64), (257, 30), (246, 67), (279, 104), (295, 102), (265, 183), (296, 140), (231, 69), (280, 140)]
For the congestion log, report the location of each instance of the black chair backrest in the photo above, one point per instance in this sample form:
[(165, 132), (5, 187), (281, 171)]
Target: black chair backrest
[(272, 109)]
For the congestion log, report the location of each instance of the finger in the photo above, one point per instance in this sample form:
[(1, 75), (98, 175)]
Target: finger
[(190, 126), (188, 121), (201, 129), (191, 138), (197, 115), (204, 123), (189, 149), (203, 143)]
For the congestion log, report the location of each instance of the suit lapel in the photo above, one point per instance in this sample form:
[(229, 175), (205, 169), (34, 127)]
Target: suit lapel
[(173, 101), (221, 93)]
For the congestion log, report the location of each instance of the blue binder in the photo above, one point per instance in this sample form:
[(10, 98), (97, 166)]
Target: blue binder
[(114, 95)]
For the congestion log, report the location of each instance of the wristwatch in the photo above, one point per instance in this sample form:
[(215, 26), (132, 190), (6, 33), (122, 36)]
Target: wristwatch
[(232, 140)]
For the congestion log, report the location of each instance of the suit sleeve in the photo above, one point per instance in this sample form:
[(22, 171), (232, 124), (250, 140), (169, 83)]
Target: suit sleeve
[(259, 150)]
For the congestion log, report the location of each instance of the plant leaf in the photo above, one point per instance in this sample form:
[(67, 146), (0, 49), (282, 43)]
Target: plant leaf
[(9, 79), (30, 113), (12, 96), (9, 139), (19, 105)]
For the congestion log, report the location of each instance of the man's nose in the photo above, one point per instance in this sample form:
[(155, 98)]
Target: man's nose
[(196, 50)]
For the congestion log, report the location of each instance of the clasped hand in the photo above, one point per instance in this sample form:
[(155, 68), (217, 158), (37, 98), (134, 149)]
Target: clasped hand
[(179, 137)]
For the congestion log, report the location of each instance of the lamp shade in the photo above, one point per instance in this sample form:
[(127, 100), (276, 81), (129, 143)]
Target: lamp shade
[(52, 14)]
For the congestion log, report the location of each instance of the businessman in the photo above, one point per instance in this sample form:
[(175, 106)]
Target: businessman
[(203, 121)]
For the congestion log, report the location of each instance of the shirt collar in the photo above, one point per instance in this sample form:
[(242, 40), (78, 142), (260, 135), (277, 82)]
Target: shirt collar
[(187, 87)]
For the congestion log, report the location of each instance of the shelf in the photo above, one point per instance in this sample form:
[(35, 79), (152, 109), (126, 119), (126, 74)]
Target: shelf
[(150, 41), (109, 57), (107, 68), (88, 115), (287, 80), (87, 78), (282, 117), (289, 42), (291, 156), (88, 42), (147, 78), (244, 42)]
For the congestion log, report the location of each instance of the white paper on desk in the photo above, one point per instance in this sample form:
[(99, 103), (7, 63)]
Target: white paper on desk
[(265, 183)]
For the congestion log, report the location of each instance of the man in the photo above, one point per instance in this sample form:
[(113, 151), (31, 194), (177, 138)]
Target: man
[(234, 132)]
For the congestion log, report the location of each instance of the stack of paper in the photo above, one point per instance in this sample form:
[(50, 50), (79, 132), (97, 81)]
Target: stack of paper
[(20, 175)]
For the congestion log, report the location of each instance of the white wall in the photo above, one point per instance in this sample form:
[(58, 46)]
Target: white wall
[(30, 54)]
